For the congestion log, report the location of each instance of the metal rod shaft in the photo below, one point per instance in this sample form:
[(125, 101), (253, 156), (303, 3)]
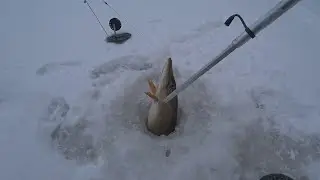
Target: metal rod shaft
[(259, 25), (96, 17)]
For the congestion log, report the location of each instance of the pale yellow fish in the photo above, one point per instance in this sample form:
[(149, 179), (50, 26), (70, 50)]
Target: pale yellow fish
[(162, 117)]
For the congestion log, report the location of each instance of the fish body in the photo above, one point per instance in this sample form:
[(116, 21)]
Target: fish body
[(162, 117)]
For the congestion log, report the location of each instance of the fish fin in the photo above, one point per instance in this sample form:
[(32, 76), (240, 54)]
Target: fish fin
[(152, 87), (152, 96)]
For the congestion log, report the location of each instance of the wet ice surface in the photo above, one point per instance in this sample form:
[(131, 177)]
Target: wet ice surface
[(73, 107)]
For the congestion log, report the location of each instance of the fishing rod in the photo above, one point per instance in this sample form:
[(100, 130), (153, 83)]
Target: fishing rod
[(250, 33), (115, 25)]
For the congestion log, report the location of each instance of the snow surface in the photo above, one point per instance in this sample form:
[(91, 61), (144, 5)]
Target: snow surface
[(72, 106)]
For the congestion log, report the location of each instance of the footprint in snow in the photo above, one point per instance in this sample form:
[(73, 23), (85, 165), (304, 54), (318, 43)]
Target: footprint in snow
[(55, 66), (69, 137), (130, 62)]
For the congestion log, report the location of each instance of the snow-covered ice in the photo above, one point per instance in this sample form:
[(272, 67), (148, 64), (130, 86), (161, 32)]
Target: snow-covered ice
[(72, 106)]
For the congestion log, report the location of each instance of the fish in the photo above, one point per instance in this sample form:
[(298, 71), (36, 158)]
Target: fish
[(162, 116)]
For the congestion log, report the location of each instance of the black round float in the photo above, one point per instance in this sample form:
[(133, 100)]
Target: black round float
[(276, 176), (118, 38), (115, 24)]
